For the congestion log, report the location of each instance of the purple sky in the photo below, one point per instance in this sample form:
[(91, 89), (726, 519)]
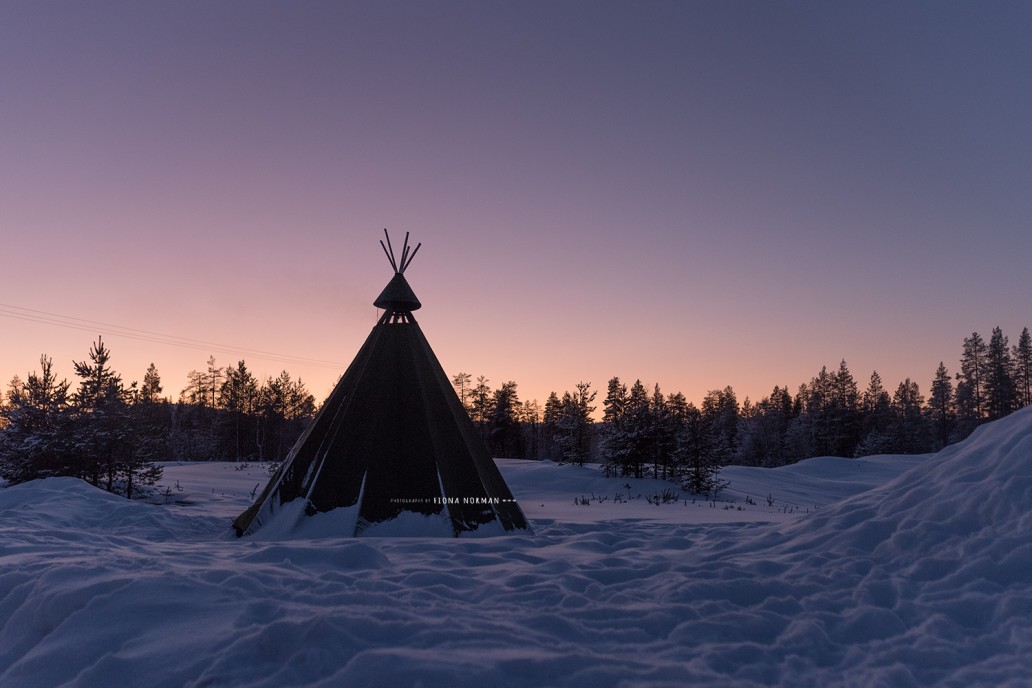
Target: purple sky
[(696, 194)]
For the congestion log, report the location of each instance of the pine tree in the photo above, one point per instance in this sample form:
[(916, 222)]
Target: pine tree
[(638, 429), (480, 408), (1021, 357), (844, 420), (762, 432), (530, 420), (504, 422), (461, 383), (909, 431), (1000, 397), (100, 416), (877, 417), (875, 400), (33, 442), (550, 425), (285, 407), (676, 413), (584, 398), (720, 408), (238, 399), (811, 430), (110, 436), (615, 401), (971, 384), (664, 436), (942, 408), (573, 428), (150, 391), (213, 377)]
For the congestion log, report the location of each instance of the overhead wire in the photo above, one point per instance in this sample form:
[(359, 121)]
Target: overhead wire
[(71, 322)]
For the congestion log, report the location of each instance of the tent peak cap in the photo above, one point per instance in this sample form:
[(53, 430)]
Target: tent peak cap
[(397, 296)]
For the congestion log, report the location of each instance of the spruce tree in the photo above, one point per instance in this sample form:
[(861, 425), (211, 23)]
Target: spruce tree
[(612, 450)]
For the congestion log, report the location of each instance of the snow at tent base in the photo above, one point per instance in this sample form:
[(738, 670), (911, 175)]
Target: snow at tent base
[(890, 571)]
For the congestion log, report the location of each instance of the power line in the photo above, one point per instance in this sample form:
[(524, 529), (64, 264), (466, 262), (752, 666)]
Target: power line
[(71, 322)]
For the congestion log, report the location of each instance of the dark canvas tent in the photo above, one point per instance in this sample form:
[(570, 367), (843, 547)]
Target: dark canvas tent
[(391, 451)]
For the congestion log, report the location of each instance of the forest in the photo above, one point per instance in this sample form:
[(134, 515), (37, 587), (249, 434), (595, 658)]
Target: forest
[(646, 433), (112, 434)]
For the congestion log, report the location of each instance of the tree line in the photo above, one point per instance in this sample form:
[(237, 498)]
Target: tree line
[(110, 433), (646, 433)]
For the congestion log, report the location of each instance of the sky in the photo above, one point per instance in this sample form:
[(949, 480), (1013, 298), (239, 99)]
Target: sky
[(696, 194)]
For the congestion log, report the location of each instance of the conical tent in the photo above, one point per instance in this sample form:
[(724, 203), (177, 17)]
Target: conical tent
[(392, 451)]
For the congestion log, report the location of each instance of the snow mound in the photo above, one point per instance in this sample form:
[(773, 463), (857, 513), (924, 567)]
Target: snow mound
[(923, 580), (969, 503)]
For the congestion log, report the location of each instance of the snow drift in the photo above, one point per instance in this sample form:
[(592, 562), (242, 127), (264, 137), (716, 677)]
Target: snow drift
[(922, 580)]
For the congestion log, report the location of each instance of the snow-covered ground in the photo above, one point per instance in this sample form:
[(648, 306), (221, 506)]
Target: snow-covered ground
[(890, 571)]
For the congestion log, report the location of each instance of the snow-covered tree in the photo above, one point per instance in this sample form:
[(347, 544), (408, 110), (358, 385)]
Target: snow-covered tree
[(665, 428), (100, 415), (720, 408), (113, 445), (33, 441), (573, 427), (611, 450), (700, 453)]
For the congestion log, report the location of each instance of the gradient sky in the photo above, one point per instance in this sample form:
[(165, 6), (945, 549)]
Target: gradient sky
[(698, 194)]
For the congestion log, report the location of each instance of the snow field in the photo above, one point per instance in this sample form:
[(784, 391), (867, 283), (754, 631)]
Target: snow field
[(912, 571)]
